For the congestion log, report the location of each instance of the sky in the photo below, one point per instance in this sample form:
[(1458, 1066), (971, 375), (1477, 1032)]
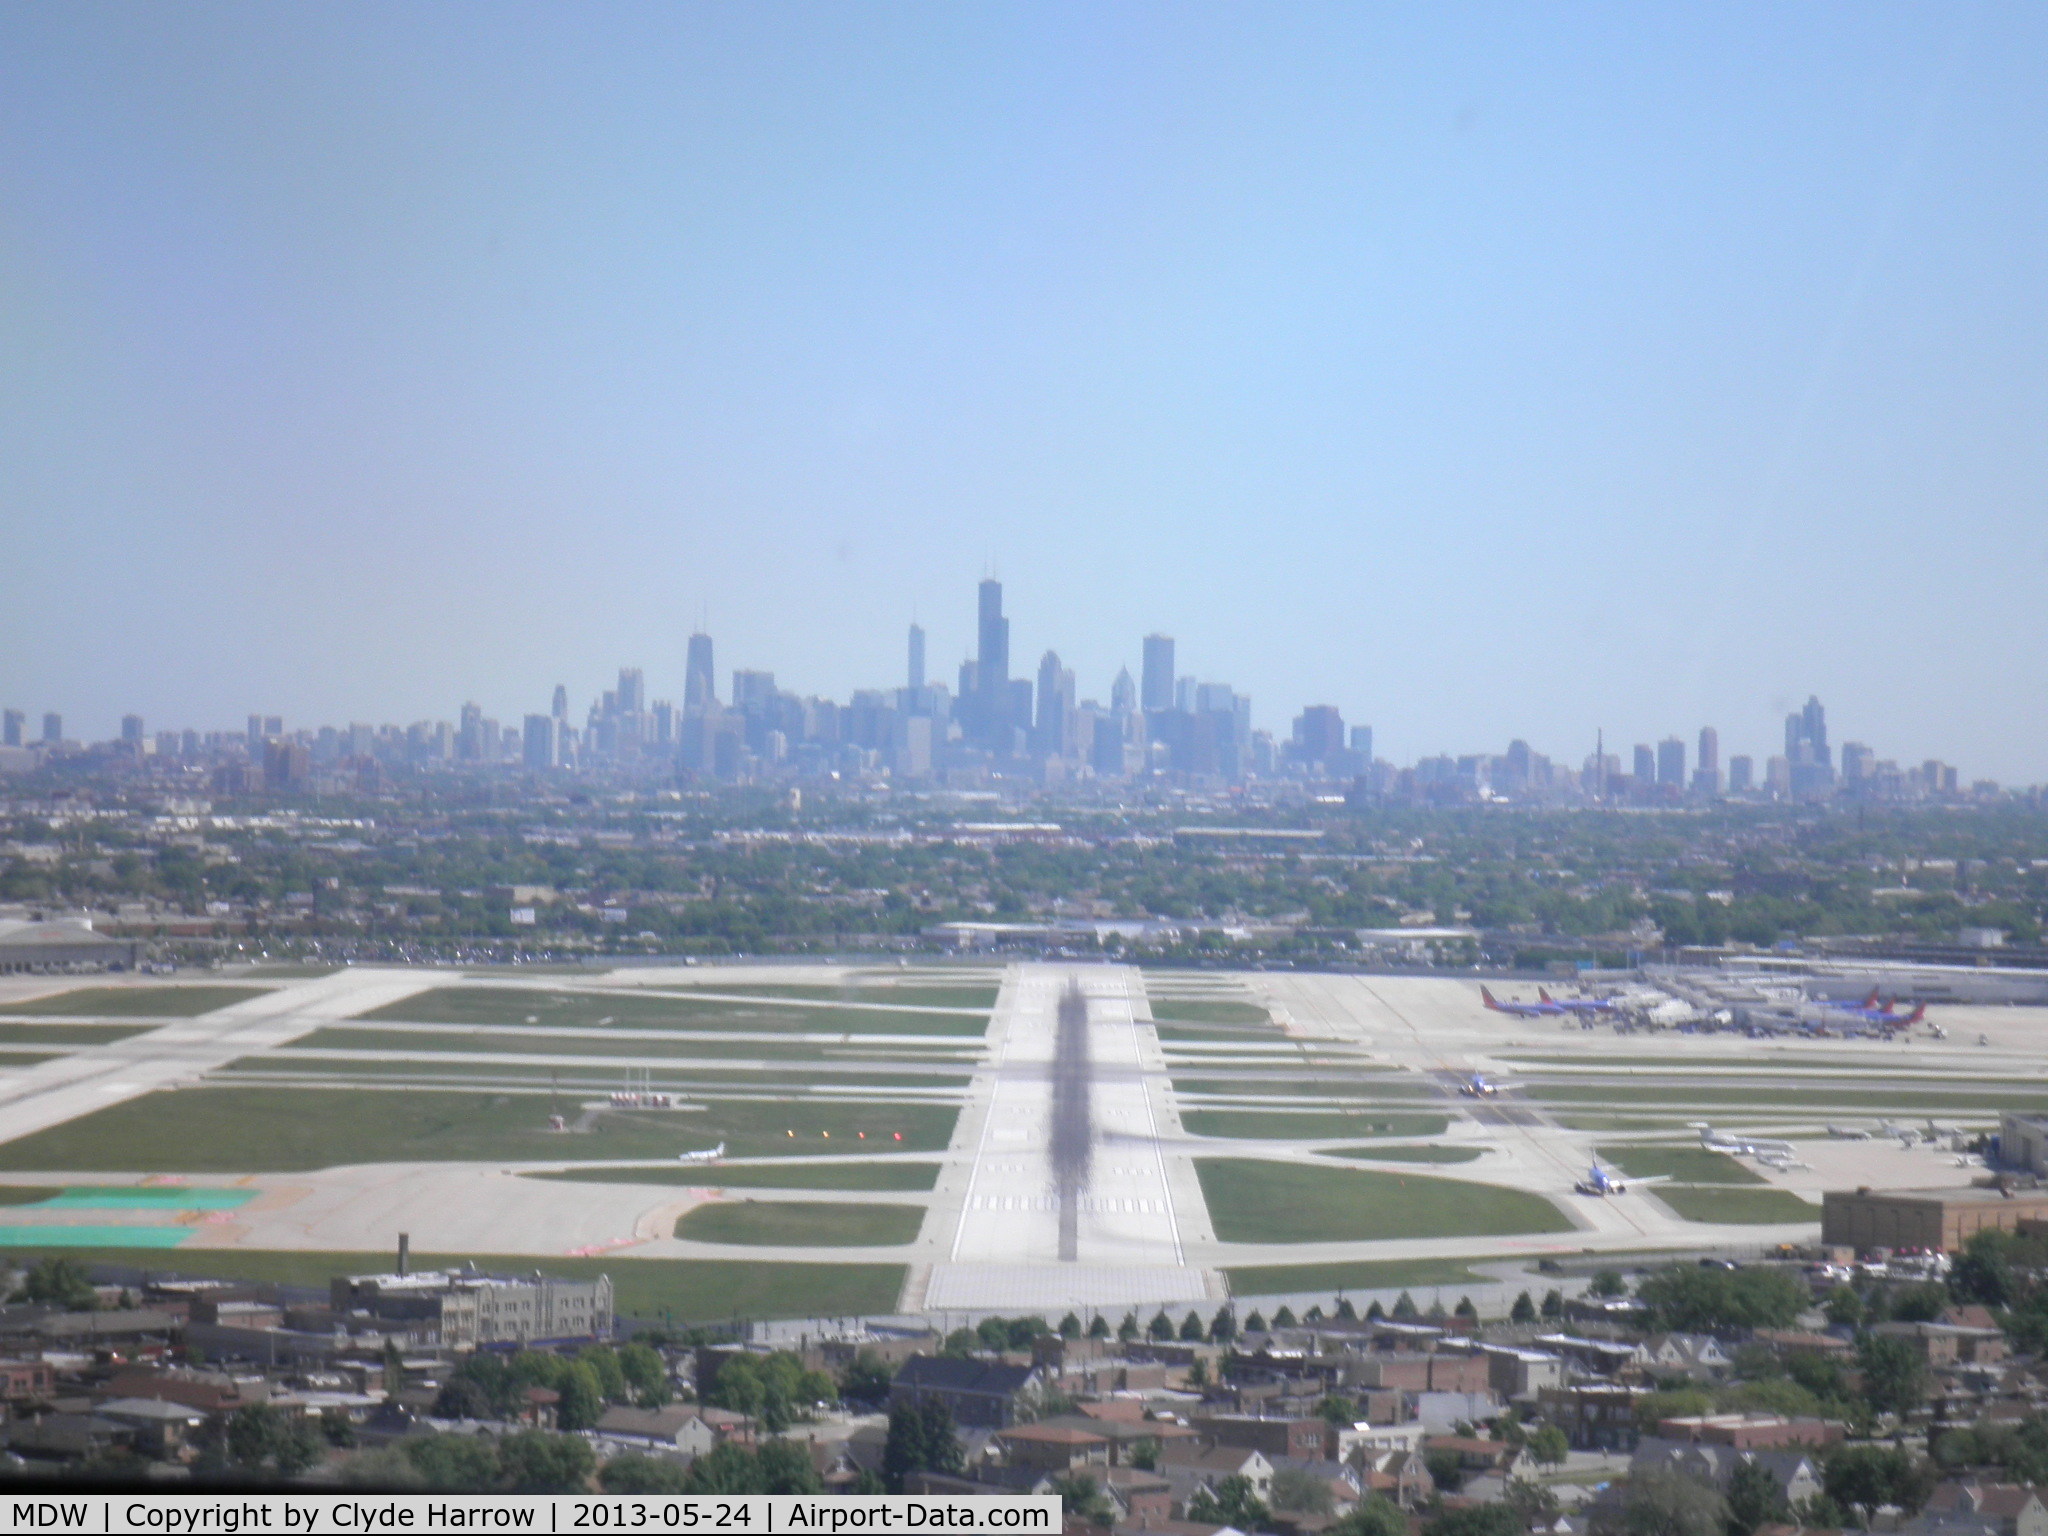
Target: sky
[(1488, 372)]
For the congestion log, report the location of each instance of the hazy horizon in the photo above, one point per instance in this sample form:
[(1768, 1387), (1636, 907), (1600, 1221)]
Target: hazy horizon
[(1486, 372)]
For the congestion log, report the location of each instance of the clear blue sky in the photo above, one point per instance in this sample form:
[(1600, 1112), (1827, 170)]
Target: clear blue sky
[(1488, 372)]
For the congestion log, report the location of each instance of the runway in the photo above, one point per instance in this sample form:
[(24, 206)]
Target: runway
[(1128, 1206)]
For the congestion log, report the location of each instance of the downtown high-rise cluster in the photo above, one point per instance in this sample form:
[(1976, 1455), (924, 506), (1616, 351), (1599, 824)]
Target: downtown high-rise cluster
[(991, 727)]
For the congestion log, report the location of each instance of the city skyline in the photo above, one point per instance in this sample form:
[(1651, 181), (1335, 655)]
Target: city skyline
[(1170, 722)]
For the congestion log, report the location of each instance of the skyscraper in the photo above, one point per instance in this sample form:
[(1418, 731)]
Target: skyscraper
[(1671, 762), (1646, 766), (560, 708), (1055, 706), (1156, 688), (541, 743), (700, 683), (632, 691), (10, 728), (1706, 778), (992, 668), (916, 678), (53, 727)]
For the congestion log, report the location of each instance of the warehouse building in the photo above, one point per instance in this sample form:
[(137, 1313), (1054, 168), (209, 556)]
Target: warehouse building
[(1942, 1219)]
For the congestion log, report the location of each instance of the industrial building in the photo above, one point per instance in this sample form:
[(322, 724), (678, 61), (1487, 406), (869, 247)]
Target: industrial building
[(64, 945), (458, 1309), (1942, 1219)]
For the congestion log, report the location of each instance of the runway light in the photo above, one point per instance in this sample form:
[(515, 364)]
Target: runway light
[(826, 1134), (898, 1135), (789, 1133), (863, 1135)]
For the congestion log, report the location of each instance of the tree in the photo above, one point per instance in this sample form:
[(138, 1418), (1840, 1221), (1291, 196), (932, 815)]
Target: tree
[(1145, 1453), (1191, 1328), (1533, 1503), (1348, 1313), (1082, 1498), (635, 1473), (1894, 1375), (1374, 1515), (1523, 1311), (1127, 1330), (582, 1396), (1918, 1303), (1662, 1503), (1070, 1326), (1255, 1321), (1223, 1326), (610, 1375), (1446, 1468), (537, 1462), (1553, 1305), (787, 1468), (1283, 1318), (1161, 1326), (866, 1378), (1983, 1272), (1754, 1499), (1339, 1409), (1231, 1502), (1477, 1520), (904, 1451), (1404, 1308), (1694, 1300), (1466, 1310), (1608, 1284), (1098, 1327), (1299, 1490), (646, 1374), (1844, 1308), (59, 1282), (454, 1463), (1548, 1447), (725, 1469), (1867, 1476)]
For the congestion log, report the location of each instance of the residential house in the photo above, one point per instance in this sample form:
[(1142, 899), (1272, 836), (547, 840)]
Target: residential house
[(1697, 1356), (1188, 1467), (679, 1429), (1054, 1447)]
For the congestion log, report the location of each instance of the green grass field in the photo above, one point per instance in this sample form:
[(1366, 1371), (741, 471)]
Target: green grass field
[(1688, 1165), (1876, 1100), (1286, 1125), (516, 1005), (1411, 1154), (1361, 1275), (1183, 1010), (914, 994), (1251, 1201), (279, 1130), (895, 1177), (553, 1041), (530, 1042), (1328, 1085), (655, 1290), (1736, 1207), (802, 1224), (135, 1002)]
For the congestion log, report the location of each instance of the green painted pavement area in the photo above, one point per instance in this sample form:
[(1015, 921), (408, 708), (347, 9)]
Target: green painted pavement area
[(93, 1237)]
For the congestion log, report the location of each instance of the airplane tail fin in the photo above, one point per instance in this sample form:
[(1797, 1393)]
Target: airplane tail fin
[(1871, 1001), (1919, 1012), (1544, 995), (1487, 998)]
